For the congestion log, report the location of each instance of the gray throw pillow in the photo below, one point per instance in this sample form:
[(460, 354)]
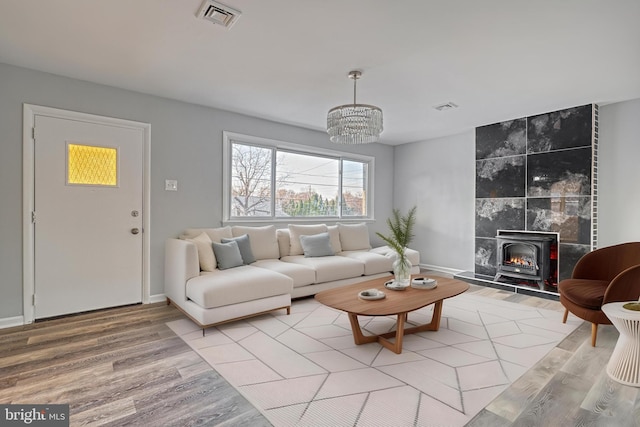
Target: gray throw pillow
[(244, 244), (316, 245), (227, 255)]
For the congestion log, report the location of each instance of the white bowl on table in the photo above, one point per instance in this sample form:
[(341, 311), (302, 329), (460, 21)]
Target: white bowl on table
[(423, 283)]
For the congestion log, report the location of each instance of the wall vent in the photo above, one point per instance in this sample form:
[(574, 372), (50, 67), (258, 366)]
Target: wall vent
[(218, 13), (446, 106)]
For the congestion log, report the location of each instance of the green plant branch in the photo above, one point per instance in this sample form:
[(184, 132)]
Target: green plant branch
[(401, 227)]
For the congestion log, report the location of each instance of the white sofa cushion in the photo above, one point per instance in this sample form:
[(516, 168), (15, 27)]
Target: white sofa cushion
[(215, 234), (302, 275), (374, 263), (354, 237), (235, 285), (206, 257), (330, 268), (264, 243), (295, 231), (284, 241), (334, 236)]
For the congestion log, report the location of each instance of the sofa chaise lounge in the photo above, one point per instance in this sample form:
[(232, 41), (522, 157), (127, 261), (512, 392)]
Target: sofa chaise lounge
[(281, 264)]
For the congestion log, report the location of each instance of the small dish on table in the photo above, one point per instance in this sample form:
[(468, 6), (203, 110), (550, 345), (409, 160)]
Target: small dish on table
[(371, 294), (423, 283), (394, 286)]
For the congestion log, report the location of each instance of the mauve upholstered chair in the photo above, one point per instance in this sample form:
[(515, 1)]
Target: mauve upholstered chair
[(609, 274)]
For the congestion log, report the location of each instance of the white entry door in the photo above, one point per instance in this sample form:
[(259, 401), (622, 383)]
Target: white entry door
[(88, 245)]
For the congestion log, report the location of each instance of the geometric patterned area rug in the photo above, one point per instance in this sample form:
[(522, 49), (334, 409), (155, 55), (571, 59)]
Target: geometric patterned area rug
[(305, 370)]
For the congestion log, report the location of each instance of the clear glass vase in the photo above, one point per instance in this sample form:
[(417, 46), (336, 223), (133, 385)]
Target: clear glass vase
[(402, 270)]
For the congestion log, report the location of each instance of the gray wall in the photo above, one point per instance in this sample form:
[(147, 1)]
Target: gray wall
[(186, 144), (438, 176), (619, 173)]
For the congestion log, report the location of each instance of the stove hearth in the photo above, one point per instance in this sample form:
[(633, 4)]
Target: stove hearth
[(527, 258)]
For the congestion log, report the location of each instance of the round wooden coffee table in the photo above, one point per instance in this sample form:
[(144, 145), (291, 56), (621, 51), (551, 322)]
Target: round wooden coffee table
[(396, 303)]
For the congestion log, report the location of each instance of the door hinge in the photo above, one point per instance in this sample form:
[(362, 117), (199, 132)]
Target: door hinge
[(33, 299), (33, 217), (33, 133)]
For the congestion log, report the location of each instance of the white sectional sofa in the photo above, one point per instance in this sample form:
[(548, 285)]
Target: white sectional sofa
[(212, 290)]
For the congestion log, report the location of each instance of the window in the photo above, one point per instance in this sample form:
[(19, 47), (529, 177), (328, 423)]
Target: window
[(251, 180), (270, 180), (91, 165)]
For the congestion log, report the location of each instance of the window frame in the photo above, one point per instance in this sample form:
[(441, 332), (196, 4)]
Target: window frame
[(228, 138)]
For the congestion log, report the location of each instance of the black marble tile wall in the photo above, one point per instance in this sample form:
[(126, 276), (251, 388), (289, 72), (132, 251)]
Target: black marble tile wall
[(500, 177), (534, 174), (501, 139), (485, 257), (558, 130), (569, 216), (568, 257), (499, 214), (559, 173)]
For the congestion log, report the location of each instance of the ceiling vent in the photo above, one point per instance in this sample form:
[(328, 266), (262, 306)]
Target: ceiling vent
[(446, 106), (218, 13)]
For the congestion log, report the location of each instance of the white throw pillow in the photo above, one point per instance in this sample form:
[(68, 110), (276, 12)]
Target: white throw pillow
[(215, 234), (205, 252), (334, 237), (354, 237), (295, 231), (264, 243)]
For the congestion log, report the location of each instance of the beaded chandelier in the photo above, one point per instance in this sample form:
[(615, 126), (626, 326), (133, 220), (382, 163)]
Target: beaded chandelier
[(354, 123)]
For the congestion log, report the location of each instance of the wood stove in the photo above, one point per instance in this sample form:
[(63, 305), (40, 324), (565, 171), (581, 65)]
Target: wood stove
[(526, 257)]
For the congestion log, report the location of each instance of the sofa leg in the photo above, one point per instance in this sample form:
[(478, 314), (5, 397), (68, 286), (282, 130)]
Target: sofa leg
[(594, 334), (288, 310), (566, 313)]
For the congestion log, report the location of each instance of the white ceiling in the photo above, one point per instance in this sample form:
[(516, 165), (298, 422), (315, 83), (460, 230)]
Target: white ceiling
[(287, 60)]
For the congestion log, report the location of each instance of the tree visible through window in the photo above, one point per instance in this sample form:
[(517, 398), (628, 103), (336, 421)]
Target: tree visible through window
[(278, 183), (308, 185), (251, 180)]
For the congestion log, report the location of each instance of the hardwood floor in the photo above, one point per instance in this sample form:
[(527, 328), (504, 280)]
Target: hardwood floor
[(568, 387), (124, 366), (118, 367)]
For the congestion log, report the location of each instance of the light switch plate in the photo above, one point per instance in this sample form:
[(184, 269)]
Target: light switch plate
[(171, 185)]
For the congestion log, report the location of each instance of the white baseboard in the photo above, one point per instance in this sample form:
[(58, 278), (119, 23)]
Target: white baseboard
[(10, 322), (441, 269), (157, 298)]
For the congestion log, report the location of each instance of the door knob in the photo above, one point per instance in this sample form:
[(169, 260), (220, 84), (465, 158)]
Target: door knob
[(135, 230)]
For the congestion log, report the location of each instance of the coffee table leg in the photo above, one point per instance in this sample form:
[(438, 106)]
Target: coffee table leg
[(399, 333), (358, 337), (397, 346), (435, 318)]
